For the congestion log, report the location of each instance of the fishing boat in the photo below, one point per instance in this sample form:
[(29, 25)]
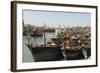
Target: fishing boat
[(74, 54), (37, 34), (49, 30), (46, 53), (72, 48), (33, 34)]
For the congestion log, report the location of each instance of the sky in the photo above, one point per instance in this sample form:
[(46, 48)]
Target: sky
[(56, 18)]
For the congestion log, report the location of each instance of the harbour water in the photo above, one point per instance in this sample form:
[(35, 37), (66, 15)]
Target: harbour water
[(26, 53)]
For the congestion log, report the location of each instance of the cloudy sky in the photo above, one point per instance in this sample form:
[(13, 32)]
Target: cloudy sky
[(53, 18)]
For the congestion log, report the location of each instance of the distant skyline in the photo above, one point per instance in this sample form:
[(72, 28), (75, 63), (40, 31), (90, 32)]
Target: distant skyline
[(54, 18)]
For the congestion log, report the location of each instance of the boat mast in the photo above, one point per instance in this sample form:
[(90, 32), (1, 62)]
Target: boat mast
[(44, 34), (64, 46), (26, 32)]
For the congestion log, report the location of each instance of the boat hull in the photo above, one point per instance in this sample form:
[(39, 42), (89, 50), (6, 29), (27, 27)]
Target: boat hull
[(78, 54), (46, 53), (74, 54), (36, 34)]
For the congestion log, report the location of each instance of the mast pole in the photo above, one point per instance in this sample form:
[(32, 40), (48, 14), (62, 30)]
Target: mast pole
[(44, 35), (26, 33)]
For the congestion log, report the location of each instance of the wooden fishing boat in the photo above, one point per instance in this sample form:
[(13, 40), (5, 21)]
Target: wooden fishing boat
[(73, 49), (37, 34), (46, 53), (49, 30), (74, 54)]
